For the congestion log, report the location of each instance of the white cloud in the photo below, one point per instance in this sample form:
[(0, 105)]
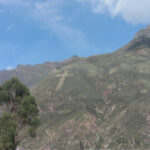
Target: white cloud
[(50, 15), (133, 11), (8, 2), (98, 6), (9, 68), (47, 11), (15, 2)]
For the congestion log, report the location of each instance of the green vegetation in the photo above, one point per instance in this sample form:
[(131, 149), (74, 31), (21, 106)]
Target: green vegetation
[(103, 101), (18, 111)]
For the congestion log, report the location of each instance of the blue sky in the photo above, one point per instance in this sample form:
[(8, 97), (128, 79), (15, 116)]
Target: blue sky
[(35, 31)]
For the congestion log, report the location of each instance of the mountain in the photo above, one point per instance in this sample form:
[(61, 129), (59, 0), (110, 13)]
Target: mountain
[(31, 75), (99, 102)]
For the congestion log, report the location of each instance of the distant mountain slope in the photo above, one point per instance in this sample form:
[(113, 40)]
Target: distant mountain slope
[(31, 75), (99, 102)]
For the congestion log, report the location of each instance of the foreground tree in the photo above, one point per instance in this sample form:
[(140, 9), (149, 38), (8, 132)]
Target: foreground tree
[(18, 113)]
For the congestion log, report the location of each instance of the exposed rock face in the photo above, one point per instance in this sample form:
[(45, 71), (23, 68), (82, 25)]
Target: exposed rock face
[(140, 42), (145, 33)]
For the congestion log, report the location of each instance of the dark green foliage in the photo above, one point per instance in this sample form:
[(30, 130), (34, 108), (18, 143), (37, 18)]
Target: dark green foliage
[(19, 110), (15, 88), (8, 129)]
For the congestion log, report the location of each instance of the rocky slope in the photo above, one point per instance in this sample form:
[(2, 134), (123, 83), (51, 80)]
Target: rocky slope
[(97, 102)]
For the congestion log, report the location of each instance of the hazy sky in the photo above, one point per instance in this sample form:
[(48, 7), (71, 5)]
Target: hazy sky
[(35, 31)]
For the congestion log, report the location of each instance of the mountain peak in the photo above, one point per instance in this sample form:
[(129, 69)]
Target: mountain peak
[(141, 40), (144, 33)]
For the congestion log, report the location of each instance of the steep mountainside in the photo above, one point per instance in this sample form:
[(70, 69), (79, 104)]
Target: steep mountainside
[(32, 75), (29, 75), (91, 103), (98, 102)]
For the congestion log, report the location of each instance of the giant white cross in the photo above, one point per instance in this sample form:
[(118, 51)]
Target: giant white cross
[(62, 79)]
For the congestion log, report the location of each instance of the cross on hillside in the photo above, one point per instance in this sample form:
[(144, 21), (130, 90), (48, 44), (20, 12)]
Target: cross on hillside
[(62, 79)]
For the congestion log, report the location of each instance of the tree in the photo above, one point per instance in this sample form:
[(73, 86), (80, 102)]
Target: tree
[(18, 113)]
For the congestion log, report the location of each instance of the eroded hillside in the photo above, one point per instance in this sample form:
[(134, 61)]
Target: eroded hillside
[(91, 103), (98, 102)]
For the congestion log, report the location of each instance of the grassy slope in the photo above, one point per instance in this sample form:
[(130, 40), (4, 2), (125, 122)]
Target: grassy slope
[(32, 75), (29, 75), (103, 103)]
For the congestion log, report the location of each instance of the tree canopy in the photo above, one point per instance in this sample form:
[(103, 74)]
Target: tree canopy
[(18, 110)]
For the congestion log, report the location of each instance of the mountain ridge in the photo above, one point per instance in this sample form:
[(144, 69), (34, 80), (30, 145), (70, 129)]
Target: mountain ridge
[(30, 75), (102, 101), (99, 102), (45, 68)]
